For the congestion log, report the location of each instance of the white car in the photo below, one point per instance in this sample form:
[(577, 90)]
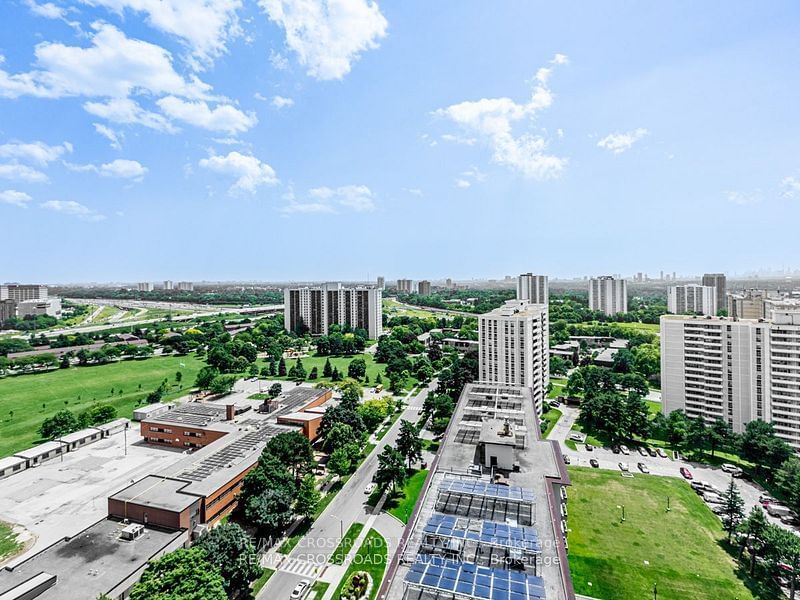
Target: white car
[(624, 450), (732, 469), (370, 487), (300, 589), (661, 453)]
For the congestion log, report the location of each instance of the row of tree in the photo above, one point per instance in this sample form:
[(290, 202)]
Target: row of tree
[(65, 421)]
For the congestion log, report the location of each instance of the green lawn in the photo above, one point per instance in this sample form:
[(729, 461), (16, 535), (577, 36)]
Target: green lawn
[(346, 544), (341, 363), (680, 550), (372, 558), (393, 308), (551, 416), (318, 590), (558, 387), (8, 541), (33, 397), (261, 582), (401, 503)]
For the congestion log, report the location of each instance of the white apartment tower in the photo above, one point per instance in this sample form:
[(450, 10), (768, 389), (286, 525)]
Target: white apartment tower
[(144, 286), (319, 307), (533, 288), (692, 298), (513, 347), (404, 286), (737, 371), (608, 295), (22, 292), (168, 285)]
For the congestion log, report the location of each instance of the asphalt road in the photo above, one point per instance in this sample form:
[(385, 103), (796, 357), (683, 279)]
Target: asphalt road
[(348, 506)]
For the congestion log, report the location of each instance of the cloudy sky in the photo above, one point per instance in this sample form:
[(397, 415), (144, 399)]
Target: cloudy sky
[(323, 139)]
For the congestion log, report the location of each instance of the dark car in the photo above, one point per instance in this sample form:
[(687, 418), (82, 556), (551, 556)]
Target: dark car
[(651, 451), (595, 463), (615, 449), (566, 459)]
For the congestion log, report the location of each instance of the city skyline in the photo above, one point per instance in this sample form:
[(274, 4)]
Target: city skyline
[(127, 127)]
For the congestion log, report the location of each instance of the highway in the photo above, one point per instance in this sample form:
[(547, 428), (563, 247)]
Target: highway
[(348, 506)]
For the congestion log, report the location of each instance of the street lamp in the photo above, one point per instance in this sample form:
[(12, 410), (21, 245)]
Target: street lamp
[(655, 591)]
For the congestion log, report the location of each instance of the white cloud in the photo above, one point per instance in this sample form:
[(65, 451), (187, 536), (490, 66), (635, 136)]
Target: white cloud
[(205, 26), (791, 187), (114, 137), (224, 117), (127, 112), (22, 173), (114, 66), (14, 197), (463, 184), (459, 139), (475, 174), (328, 35), (415, 192), (120, 168), (38, 153), (620, 142), (48, 10), (282, 102), (278, 61), (249, 171), (70, 207), (358, 198), (743, 198), (493, 119)]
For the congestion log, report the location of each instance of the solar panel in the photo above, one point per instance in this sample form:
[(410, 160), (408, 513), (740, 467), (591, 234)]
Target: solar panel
[(474, 487), (466, 579), (500, 535)]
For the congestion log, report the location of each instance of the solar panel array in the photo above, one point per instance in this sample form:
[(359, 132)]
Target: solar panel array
[(473, 581), (475, 487), (229, 454), (500, 535), (192, 413)]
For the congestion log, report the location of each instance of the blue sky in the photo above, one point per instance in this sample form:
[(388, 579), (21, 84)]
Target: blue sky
[(311, 139)]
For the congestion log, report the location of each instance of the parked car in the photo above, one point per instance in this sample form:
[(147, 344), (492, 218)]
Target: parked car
[(651, 451), (566, 459), (370, 487), (687, 474), (300, 589), (555, 404), (661, 452), (624, 450), (790, 519), (764, 500), (595, 463), (643, 467), (615, 449), (732, 469), (624, 467), (778, 510), (577, 436), (713, 498), (642, 450), (589, 447)]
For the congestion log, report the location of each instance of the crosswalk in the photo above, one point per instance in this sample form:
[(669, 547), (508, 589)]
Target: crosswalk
[(298, 566)]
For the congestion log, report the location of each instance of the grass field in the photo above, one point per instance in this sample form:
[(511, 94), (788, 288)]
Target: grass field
[(340, 362), (551, 416), (318, 590), (393, 308), (34, 397), (346, 544), (371, 557), (558, 387), (679, 550), (401, 503), (8, 541)]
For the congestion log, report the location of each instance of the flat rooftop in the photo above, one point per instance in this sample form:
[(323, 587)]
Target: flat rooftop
[(192, 414), (158, 492), (90, 563), (40, 449)]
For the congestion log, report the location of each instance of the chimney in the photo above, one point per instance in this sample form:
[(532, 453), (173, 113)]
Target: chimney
[(230, 411)]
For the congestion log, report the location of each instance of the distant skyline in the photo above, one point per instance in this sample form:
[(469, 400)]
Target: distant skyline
[(277, 140)]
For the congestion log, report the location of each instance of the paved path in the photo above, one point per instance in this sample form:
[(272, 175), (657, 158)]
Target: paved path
[(348, 507)]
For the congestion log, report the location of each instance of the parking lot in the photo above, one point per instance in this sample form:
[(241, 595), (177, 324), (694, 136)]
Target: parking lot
[(665, 467)]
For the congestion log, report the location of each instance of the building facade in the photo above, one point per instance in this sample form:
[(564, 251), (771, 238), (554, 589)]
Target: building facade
[(404, 286), (751, 304), (424, 288), (319, 307), (144, 286), (533, 288), (692, 298), (513, 347), (185, 286), (168, 285), (737, 371), (608, 295), (718, 282), (381, 283), (21, 293)]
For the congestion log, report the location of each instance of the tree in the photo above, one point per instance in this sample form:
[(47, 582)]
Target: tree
[(373, 412), (184, 574), (783, 553), (677, 427), (298, 371), (205, 376), (308, 497), (623, 361), (282, 367), (409, 444), (357, 368), (267, 494), (275, 390), (391, 469), (99, 414), (719, 435), (351, 393), (61, 423), (558, 366), (759, 445), (339, 462), (229, 549), (252, 370), (697, 434), (335, 375), (788, 481), (293, 450), (338, 436), (178, 376), (754, 528), (327, 370), (222, 384), (314, 374), (733, 509)]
